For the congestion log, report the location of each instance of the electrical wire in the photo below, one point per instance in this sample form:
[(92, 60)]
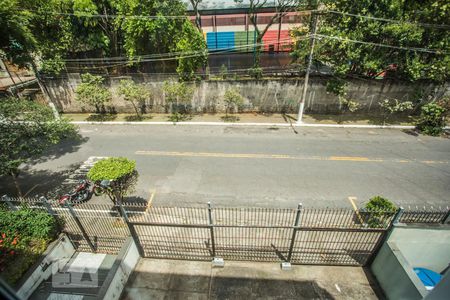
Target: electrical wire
[(175, 56), (382, 45), (443, 26)]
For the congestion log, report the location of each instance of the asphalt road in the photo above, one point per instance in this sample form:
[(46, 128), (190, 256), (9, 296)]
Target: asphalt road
[(269, 167)]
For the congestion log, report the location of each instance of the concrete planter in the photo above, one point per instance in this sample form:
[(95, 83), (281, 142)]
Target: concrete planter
[(55, 257)]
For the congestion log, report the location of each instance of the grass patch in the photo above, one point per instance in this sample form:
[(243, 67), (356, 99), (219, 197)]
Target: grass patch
[(230, 118), (101, 117), (134, 118)]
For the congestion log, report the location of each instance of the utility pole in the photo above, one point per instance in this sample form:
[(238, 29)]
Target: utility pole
[(312, 39)]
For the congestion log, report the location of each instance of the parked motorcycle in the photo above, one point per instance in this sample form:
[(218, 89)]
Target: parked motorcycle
[(83, 192)]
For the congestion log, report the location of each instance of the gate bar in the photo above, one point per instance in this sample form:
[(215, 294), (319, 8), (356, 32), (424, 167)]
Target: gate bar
[(131, 229), (80, 226), (294, 232), (213, 242)]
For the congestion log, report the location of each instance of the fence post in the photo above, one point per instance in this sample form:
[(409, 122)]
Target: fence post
[(80, 226), (398, 215), (383, 238), (8, 202), (211, 229), (294, 232), (131, 229)]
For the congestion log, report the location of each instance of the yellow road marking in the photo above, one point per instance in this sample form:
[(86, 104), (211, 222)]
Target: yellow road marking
[(355, 208), (150, 199), (280, 156)]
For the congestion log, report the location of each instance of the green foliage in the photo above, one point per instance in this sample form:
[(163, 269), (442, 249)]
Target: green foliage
[(92, 92), (24, 235), (223, 71), (193, 45), (178, 95), (348, 105), (27, 129), (337, 86), (232, 99), (346, 57), (161, 34), (120, 171), (378, 210), (380, 203), (256, 72), (391, 106), (134, 93), (431, 121)]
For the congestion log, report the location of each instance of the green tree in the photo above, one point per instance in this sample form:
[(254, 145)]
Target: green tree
[(161, 35), (192, 43), (282, 7), (92, 92), (119, 172), (233, 99), (134, 93), (178, 95), (432, 119), (27, 129), (18, 41), (335, 46)]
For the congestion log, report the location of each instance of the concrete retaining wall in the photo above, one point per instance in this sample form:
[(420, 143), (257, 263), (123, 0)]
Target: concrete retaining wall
[(53, 259), (261, 96), (124, 265)]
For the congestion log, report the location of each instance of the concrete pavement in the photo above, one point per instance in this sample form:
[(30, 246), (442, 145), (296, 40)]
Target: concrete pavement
[(173, 279), (261, 166)]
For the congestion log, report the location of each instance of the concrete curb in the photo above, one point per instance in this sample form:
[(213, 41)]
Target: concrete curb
[(248, 124)]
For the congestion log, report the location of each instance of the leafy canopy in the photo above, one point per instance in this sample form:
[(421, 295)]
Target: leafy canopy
[(120, 171), (92, 92), (27, 129), (134, 93), (334, 48), (113, 168)]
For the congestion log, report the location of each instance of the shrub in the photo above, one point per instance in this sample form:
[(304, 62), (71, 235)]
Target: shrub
[(256, 73), (92, 92), (391, 106), (120, 171), (431, 121), (232, 99), (178, 94), (24, 235), (378, 208), (223, 71), (134, 93)]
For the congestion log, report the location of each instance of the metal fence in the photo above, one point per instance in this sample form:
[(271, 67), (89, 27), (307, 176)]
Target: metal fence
[(329, 236)]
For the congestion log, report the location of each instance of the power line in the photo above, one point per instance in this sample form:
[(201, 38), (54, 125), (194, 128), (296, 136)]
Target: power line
[(175, 55), (388, 20), (382, 45)]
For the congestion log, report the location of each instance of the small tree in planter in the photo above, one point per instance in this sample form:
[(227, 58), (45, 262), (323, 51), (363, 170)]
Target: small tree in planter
[(391, 106), (347, 105), (134, 93), (432, 119), (223, 71), (92, 92), (378, 209), (232, 99), (178, 94), (117, 176)]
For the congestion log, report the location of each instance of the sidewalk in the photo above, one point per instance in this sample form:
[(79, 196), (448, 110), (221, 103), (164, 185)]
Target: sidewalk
[(248, 119), (175, 279)]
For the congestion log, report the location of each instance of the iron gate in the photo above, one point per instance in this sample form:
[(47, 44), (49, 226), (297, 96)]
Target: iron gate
[(301, 236)]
